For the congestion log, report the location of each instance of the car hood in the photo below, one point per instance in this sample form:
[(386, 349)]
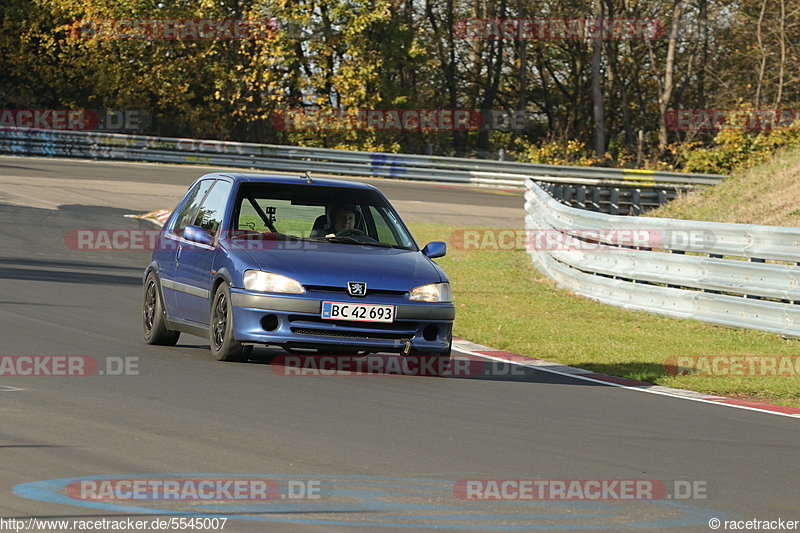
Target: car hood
[(334, 264)]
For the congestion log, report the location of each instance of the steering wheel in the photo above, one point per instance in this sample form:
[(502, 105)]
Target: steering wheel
[(350, 232), (355, 234)]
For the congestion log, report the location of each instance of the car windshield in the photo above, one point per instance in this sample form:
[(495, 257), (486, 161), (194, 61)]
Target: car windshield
[(335, 214)]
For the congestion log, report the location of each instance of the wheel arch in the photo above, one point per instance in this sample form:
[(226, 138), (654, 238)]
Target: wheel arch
[(222, 276), (152, 267)]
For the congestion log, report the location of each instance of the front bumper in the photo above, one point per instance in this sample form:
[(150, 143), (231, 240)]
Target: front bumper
[(294, 321)]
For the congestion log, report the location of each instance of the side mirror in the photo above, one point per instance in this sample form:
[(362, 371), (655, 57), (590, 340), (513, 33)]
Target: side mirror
[(198, 235), (435, 249)]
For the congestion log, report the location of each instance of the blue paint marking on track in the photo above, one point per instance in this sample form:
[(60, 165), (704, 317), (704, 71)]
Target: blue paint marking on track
[(372, 495)]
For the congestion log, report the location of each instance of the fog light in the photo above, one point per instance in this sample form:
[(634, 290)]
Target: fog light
[(430, 333), (270, 323)]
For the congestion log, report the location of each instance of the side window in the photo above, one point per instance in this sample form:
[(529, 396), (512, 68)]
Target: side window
[(186, 214), (209, 217)]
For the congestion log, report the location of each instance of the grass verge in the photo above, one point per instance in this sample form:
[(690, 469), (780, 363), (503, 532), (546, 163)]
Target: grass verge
[(765, 194), (502, 301)]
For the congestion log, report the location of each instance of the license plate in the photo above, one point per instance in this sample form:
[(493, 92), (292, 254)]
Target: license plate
[(357, 312)]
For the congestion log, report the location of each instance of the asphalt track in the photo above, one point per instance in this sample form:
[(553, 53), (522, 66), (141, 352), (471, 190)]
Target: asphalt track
[(386, 450), (184, 174)]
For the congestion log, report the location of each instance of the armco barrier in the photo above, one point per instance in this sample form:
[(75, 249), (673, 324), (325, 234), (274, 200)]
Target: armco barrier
[(653, 187), (708, 271)]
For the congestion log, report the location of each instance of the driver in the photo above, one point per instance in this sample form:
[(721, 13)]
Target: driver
[(344, 218), (345, 221)]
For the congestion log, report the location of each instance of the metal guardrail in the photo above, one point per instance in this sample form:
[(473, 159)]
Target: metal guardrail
[(708, 271), (611, 199), (94, 145)]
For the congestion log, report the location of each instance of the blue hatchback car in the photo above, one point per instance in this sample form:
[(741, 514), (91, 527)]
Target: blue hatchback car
[(295, 262)]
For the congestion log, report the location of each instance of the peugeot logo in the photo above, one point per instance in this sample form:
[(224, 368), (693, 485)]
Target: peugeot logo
[(357, 288)]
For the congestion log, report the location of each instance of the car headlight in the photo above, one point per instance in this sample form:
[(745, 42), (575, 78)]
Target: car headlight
[(434, 292), (258, 280)]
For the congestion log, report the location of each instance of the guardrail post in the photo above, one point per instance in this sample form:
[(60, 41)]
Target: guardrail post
[(636, 200), (662, 197), (581, 197), (614, 208), (595, 199)]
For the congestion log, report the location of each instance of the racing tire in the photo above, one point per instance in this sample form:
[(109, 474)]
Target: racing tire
[(223, 346), (154, 318)]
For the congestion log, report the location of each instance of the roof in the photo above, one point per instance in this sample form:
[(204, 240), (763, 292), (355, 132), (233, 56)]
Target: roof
[(295, 179)]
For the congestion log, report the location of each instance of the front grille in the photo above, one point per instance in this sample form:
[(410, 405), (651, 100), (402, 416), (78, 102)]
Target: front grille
[(343, 290), (349, 334)]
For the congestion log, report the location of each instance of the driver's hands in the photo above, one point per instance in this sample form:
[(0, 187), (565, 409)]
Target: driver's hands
[(350, 232), (356, 234)]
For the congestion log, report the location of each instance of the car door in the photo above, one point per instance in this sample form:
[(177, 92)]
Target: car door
[(166, 254), (195, 261)]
